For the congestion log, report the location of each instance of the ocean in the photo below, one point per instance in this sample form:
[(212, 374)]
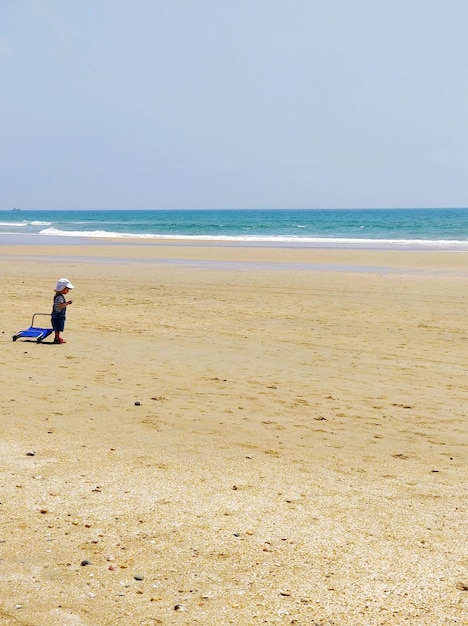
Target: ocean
[(445, 229)]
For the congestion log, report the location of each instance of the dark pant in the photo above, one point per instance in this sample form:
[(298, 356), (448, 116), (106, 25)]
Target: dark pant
[(58, 322)]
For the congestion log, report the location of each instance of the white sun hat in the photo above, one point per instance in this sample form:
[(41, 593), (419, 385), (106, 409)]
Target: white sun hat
[(62, 283)]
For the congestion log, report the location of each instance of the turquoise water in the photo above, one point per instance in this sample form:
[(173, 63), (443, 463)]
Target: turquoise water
[(384, 228)]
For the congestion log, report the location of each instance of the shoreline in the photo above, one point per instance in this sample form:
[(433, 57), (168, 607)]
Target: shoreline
[(392, 245), (250, 257)]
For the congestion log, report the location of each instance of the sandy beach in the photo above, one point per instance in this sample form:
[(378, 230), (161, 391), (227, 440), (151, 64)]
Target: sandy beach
[(235, 435)]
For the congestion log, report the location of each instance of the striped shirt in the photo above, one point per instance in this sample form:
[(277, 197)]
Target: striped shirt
[(59, 299)]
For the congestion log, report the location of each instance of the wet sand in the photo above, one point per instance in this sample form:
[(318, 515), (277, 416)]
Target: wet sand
[(235, 436)]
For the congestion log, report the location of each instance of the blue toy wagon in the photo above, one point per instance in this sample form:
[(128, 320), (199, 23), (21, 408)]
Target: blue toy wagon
[(34, 332)]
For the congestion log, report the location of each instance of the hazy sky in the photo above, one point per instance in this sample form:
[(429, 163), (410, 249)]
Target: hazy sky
[(233, 103)]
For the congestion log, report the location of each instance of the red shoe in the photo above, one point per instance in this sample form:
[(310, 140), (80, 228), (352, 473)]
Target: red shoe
[(59, 340)]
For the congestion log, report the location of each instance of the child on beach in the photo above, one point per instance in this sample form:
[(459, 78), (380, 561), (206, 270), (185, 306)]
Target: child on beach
[(60, 307)]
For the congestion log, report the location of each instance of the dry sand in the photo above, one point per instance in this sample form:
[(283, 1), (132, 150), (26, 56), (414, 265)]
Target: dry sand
[(271, 440)]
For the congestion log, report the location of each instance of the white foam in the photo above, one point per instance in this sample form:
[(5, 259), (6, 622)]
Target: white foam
[(104, 234), (441, 244)]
